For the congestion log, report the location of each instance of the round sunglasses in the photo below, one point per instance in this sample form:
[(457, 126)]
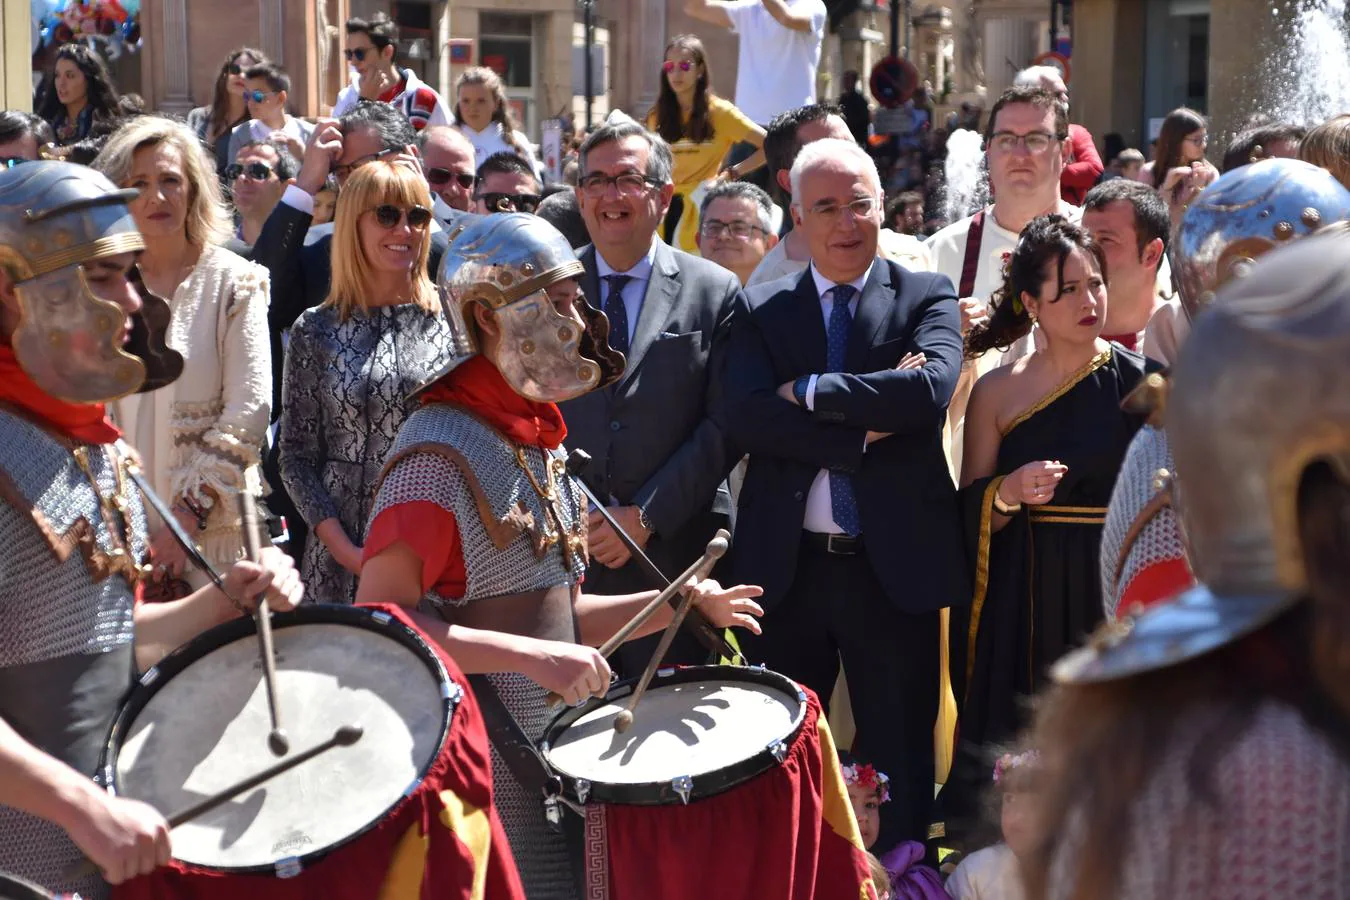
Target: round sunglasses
[(388, 215), (670, 64), (257, 96)]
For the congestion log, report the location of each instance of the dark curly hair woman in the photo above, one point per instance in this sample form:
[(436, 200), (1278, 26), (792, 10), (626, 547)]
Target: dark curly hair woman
[(80, 96)]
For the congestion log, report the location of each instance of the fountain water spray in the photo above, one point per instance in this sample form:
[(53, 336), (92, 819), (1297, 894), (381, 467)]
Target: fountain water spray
[(1312, 82), (965, 189)]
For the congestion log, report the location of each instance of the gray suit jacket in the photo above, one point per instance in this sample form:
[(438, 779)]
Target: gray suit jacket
[(656, 438)]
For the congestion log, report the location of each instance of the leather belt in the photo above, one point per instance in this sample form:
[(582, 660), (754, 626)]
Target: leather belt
[(833, 544)]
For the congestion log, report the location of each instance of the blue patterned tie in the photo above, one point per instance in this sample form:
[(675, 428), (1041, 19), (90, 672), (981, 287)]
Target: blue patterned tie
[(843, 503), (617, 313)]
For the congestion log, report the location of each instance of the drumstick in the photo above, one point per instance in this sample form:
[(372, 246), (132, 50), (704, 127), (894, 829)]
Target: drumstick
[(345, 736), (262, 617), (716, 547)]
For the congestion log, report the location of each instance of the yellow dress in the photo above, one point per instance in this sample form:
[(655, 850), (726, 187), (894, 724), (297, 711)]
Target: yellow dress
[(697, 162)]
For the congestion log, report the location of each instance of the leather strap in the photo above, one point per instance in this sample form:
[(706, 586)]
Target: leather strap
[(510, 739), (970, 266)]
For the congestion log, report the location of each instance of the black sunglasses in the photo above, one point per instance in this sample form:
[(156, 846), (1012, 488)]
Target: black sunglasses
[(358, 54), (496, 201), (389, 215), (255, 170), (438, 175)]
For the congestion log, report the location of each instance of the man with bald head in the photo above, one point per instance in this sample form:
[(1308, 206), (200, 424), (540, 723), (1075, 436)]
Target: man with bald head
[(448, 160), (837, 381)]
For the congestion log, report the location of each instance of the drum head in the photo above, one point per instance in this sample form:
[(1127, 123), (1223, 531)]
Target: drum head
[(698, 731), (198, 723), (12, 888)]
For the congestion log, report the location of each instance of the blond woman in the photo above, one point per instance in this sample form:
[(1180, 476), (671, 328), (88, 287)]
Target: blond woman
[(351, 364), (201, 437)]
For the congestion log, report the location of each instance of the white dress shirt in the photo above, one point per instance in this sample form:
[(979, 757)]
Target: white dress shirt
[(633, 290), (819, 511)]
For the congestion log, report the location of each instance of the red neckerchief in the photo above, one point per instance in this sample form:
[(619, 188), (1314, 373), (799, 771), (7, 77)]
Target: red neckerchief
[(1128, 341), (477, 386), (86, 423)]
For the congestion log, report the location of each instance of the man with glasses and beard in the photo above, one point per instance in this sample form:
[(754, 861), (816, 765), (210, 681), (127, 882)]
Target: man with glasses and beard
[(506, 183), (659, 454)]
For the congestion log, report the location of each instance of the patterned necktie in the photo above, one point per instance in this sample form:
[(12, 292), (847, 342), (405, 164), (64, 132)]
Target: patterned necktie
[(843, 503), (617, 313)]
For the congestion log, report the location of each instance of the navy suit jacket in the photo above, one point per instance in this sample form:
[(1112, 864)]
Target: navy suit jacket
[(906, 500)]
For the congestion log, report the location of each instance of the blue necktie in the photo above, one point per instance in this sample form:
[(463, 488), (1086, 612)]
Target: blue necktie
[(843, 503), (617, 313)]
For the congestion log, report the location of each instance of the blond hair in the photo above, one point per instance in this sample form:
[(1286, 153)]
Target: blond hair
[(208, 220), (1328, 146), (373, 184)]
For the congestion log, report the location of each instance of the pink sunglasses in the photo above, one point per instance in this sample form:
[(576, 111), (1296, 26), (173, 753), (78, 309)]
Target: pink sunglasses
[(684, 64)]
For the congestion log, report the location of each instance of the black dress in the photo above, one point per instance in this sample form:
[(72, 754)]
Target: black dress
[(1037, 585)]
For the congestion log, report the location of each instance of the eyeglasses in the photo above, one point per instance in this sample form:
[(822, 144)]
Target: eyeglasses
[(628, 184), (497, 201), (357, 54), (1201, 141), (741, 231), (389, 215), (343, 172), (861, 208), (438, 175), (9, 162), (257, 96), (670, 64), (256, 171), (1035, 142)]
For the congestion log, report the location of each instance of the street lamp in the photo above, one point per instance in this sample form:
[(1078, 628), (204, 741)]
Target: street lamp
[(588, 26)]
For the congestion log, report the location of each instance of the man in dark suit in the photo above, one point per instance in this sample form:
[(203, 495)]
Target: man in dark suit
[(658, 448), (836, 382), (300, 273)]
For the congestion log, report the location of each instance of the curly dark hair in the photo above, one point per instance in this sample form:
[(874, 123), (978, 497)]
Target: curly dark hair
[(667, 108), (100, 94), (1046, 239)]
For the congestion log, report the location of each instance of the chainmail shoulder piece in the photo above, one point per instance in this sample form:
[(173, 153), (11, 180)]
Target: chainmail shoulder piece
[(59, 549), (512, 539), (1140, 531)]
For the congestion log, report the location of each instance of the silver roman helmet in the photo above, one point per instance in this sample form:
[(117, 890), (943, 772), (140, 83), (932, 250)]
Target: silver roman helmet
[(54, 218), (506, 262), (1245, 213), (1260, 392)]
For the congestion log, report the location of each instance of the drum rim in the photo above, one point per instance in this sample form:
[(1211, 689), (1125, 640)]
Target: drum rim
[(709, 784), (9, 881), (244, 627)]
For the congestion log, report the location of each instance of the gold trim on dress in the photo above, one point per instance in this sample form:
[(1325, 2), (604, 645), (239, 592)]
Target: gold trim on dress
[(981, 574), (1068, 515), (1069, 384)]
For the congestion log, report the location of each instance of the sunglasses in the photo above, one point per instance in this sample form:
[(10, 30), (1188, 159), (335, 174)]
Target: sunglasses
[(257, 96), (256, 171), (496, 201), (9, 162), (438, 175), (389, 215), (684, 64), (359, 54)]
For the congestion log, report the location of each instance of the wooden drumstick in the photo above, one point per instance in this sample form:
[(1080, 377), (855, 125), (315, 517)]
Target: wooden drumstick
[(262, 617), (699, 569), (716, 548), (345, 736)]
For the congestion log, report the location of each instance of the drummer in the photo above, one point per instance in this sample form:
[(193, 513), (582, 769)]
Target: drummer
[(73, 335), (477, 516)]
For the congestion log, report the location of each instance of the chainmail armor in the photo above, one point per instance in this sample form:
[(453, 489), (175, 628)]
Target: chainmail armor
[(447, 456), (59, 627), (1160, 540)]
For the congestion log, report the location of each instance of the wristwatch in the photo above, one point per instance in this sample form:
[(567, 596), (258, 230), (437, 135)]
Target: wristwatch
[(645, 522), (799, 389)]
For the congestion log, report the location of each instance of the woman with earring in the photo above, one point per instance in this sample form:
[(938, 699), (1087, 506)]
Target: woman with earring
[(228, 109), (81, 98), (1044, 439), (701, 129), (351, 365)]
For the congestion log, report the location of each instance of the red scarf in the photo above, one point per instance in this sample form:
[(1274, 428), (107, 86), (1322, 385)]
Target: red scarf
[(1128, 341), (86, 423), (477, 386)]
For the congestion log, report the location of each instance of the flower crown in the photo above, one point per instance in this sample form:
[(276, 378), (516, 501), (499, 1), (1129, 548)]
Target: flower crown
[(868, 777), (1010, 761)]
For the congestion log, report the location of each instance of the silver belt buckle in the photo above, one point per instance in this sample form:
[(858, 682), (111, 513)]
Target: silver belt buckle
[(829, 545)]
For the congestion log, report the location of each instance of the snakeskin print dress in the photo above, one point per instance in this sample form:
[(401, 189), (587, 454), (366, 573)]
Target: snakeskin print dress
[(344, 398)]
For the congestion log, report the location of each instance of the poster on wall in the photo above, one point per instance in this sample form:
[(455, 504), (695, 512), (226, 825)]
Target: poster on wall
[(551, 148)]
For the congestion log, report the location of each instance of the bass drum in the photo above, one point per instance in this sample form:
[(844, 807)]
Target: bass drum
[(12, 888), (198, 723)]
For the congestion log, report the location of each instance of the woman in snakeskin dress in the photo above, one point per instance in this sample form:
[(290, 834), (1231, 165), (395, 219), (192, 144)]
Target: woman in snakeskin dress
[(350, 365)]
